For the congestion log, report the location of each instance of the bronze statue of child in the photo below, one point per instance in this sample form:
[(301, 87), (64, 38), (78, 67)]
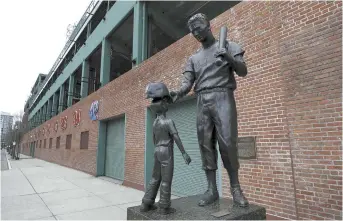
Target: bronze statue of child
[(164, 135)]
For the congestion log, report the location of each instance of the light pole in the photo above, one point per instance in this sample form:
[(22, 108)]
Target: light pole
[(15, 143), (13, 150), (31, 145), (17, 140)]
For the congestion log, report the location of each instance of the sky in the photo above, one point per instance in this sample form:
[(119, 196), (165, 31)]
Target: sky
[(33, 33)]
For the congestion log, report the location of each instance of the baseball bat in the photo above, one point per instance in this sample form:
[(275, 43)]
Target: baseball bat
[(222, 41)]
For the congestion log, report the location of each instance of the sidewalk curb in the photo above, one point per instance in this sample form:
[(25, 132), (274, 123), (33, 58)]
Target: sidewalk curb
[(8, 162)]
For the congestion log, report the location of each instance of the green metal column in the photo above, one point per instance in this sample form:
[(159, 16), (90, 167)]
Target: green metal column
[(44, 113), (48, 113), (105, 62), (71, 90), (54, 104), (145, 31), (60, 103), (40, 116), (37, 119), (140, 23), (84, 79)]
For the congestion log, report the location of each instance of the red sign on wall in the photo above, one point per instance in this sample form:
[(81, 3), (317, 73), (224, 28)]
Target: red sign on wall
[(77, 117), (64, 122), (56, 126)]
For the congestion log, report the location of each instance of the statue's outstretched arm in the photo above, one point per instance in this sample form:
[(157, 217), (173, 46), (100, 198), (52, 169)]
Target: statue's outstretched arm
[(186, 84)]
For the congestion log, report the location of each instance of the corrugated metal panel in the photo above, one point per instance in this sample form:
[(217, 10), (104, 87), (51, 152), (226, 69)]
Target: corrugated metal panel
[(149, 146), (32, 149), (188, 179), (115, 149)]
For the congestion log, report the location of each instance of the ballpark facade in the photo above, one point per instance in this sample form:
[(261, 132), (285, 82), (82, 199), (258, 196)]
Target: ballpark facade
[(89, 112)]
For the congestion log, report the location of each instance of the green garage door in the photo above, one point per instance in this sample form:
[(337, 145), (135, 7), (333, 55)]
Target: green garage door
[(115, 149), (188, 179), (32, 149)]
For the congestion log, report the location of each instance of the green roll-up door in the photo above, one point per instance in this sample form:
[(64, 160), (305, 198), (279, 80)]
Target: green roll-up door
[(115, 149), (188, 179), (32, 149)]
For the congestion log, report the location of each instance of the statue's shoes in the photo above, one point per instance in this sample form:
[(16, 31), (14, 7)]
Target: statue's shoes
[(209, 197), (146, 207), (238, 197), (166, 211)]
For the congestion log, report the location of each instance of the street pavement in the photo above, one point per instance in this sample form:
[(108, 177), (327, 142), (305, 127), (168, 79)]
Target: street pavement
[(34, 189)]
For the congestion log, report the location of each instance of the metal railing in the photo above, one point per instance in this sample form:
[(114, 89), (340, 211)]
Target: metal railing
[(70, 42)]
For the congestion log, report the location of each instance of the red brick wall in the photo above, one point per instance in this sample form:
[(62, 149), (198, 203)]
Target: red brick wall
[(312, 74), (290, 100), (268, 180), (85, 159)]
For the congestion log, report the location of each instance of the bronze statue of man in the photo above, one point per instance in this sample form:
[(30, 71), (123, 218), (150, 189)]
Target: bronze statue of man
[(216, 107)]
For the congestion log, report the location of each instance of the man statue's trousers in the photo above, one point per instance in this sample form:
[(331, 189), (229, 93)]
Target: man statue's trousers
[(217, 121)]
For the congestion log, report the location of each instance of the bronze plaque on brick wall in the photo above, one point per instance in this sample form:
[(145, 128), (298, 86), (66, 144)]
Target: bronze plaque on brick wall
[(247, 147)]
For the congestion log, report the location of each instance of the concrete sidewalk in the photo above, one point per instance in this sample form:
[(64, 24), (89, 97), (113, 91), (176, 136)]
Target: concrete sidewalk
[(34, 189), (4, 164)]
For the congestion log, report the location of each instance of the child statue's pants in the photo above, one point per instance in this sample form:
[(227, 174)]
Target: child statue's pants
[(162, 175)]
